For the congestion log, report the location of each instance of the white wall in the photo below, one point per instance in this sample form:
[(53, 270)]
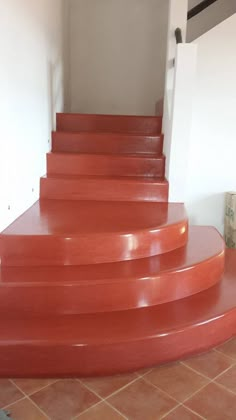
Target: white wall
[(31, 86), (177, 18), (118, 52), (208, 18), (212, 153), (179, 127)]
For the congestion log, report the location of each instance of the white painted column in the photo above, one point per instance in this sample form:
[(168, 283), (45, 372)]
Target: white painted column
[(179, 130), (177, 18)]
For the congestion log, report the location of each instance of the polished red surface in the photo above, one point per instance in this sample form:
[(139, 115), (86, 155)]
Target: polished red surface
[(54, 232), (116, 286), (98, 344), (109, 123), (105, 165), (104, 188), (94, 142), (100, 276)]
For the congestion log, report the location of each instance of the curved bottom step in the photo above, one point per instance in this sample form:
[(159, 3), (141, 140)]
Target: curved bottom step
[(116, 286), (98, 344)]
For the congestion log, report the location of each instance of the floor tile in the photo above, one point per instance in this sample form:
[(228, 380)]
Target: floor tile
[(101, 411), (181, 413), (64, 399), (105, 386), (143, 371), (177, 380), (29, 386), (214, 403), (140, 400), (229, 348), (25, 410), (210, 364), (228, 379), (8, 393)]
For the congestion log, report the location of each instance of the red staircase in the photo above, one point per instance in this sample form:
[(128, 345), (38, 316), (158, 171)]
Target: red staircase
[(103, 275)]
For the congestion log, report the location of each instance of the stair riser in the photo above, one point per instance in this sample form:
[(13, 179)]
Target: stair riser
[(109, 123), (103, 190), (104, 165), (106, 143), (91, 249), (42, 359), (93, 297)]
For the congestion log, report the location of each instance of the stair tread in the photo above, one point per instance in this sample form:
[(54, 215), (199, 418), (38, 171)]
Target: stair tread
[(127, 326), (125, 179), (106, 142), (111, 123), (107, 133), (204, 243), (62, 217), (111, 155)]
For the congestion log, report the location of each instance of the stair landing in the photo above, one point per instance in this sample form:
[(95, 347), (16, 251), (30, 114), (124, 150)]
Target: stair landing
[(55, 232)]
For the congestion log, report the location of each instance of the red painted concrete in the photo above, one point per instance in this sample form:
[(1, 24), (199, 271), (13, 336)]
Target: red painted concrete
[(109, 123), (116, 286), (71, 232), (98, 344), (105, 165), (95, 142), (104, 188), (103, 278)]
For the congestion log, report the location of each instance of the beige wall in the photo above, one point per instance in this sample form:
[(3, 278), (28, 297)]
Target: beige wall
[(208, 18), (117, 55)]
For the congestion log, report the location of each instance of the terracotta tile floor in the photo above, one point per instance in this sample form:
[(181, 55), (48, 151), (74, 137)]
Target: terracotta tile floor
[(203, 387)]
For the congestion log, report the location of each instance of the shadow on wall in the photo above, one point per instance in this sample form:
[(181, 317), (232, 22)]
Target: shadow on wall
[(210, 208), (159, 107), (55, 92)]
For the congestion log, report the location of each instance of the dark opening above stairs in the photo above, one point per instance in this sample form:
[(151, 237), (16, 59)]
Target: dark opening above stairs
[(102, 275)]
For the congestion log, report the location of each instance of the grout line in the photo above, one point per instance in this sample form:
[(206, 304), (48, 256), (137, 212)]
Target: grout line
[(171, 411), (226, 370), (163, 392), (139, 376), (181, 405), (194, 412), (103, 400), (196, 392), (29, 399), (37, 390), (196, 371), (145, 373), (39, 408), (113, 393), (114, 408), (173, 398), (230, 357), (226, 355), (97, 404), (225, 388), (87, 409), (210, 382), (206, 377), (8, 405)]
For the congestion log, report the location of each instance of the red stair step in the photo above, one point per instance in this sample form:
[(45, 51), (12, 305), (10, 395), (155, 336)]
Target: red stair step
[(116, 286), (109, 123), (98, 344), (93, 142), (54, 232), (105, 165), (104, 188)]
